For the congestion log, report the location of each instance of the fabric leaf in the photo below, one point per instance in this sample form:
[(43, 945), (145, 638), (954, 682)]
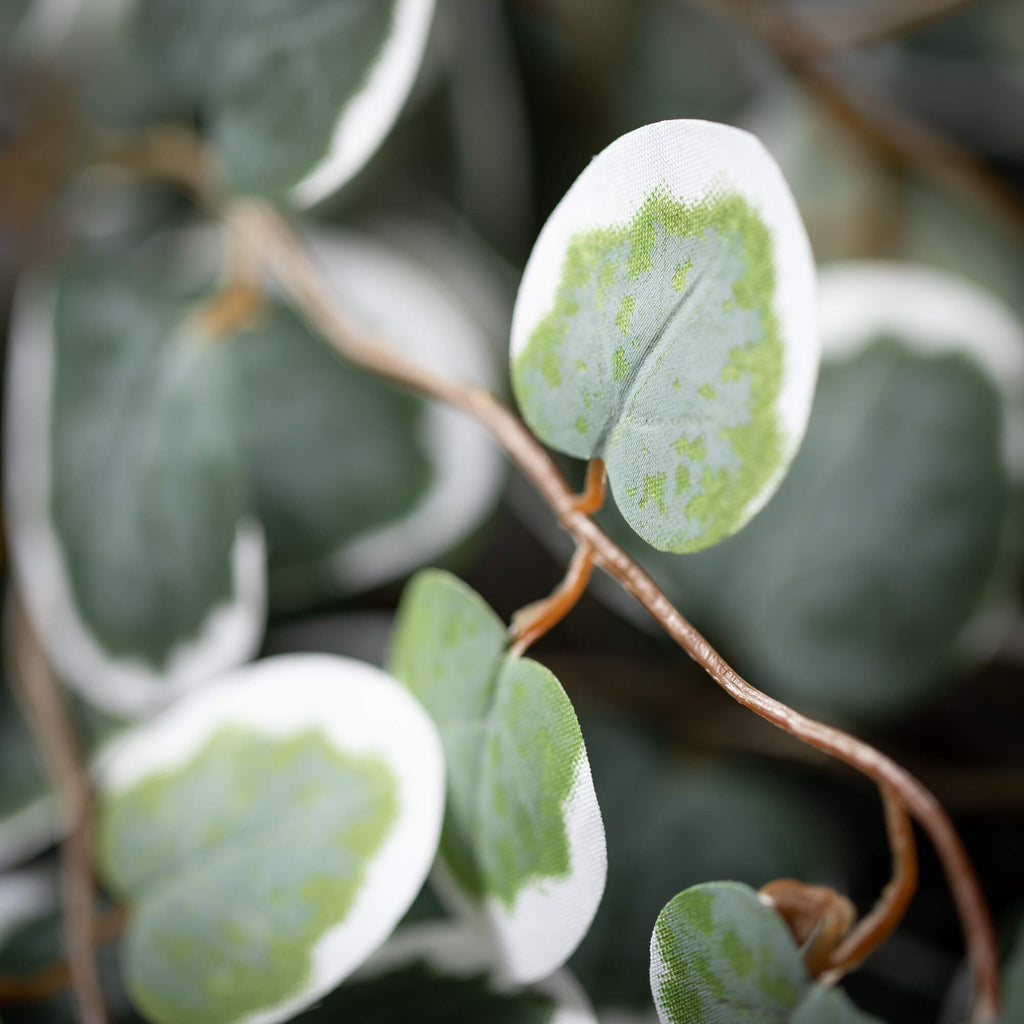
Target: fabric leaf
[(523, 846), (665, 322), (269, 830)]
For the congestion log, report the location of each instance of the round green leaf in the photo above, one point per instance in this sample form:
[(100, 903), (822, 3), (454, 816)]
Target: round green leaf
[(269, 830), (719, 954), (356, 482), (665, 323), (523, 847), (296, 94), (829, 1006), (130, 535), (441, 973)]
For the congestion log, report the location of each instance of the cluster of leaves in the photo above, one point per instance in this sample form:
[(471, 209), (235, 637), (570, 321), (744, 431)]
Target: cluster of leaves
[(170, 481)]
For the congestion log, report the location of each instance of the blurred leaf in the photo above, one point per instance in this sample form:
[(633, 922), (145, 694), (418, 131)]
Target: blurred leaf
[(719, 954), (862, 585), (440, 974), (270, 830), (1013, 982), (129, 522), (670, 826), (358, 483), (296, 94), (523, 847), (661, 305)]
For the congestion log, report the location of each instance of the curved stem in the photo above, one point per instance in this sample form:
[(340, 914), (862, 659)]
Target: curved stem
[(44, 710), (873, 929)]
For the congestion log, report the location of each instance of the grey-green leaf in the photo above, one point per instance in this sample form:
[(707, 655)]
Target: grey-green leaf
[(270, 830), (829, 1006), (719, 955), (665, 324), (296, 94), (523, 845), (130, 527)]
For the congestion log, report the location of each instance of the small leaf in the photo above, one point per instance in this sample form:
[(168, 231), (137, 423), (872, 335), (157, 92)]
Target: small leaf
[(270, 830), (130, 533), (441, 973), (717, 954), (523, 844), (357, 482), (665, 323), (297, 94)]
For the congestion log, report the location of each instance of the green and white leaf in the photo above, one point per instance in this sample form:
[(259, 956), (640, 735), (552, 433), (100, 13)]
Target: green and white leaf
[(140, 564), (296, 95), (665, 323), (523, 846), (270, 830), (441, 973), (358, 483), (719, 955)]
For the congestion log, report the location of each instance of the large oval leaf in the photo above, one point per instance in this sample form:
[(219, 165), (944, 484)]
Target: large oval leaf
[(356, 482), (440, 972), (296, 94), (270, 830), (523, 846), (665, 322), (131, 538), (719, 955)]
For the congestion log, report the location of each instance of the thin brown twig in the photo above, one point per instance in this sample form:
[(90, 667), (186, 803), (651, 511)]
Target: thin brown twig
[(529, 624), (875, 927), (302, 282), (865, 25), (41, 703), (52, 979), (893, 136)]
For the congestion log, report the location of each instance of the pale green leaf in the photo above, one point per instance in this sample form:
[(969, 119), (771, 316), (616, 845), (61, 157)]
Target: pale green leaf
[(269, 830), (829, 1006), (665, 323), (296, 94), (128, 515), (523, 845)]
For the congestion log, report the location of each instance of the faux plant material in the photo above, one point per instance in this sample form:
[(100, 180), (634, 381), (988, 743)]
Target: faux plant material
[(131, 536), (523, 846), (356, 482), (269, 830), (719, 955), (664, 324), (441, 973), (297, 94)]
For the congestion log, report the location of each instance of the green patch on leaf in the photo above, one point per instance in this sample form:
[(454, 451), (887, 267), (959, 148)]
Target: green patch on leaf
[(697, 386)]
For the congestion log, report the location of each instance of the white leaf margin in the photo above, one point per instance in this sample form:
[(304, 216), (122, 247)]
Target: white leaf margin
[(938, 312), (691, 159), (370, 114), (410, 312), (231, 632), (362, 711), (25, 896), (550, 916), (454, 948)]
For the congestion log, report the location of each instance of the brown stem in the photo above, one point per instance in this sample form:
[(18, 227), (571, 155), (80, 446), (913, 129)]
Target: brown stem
[(529, 624), (893, 136), (872, 930), (41, 703), (52, 979)]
